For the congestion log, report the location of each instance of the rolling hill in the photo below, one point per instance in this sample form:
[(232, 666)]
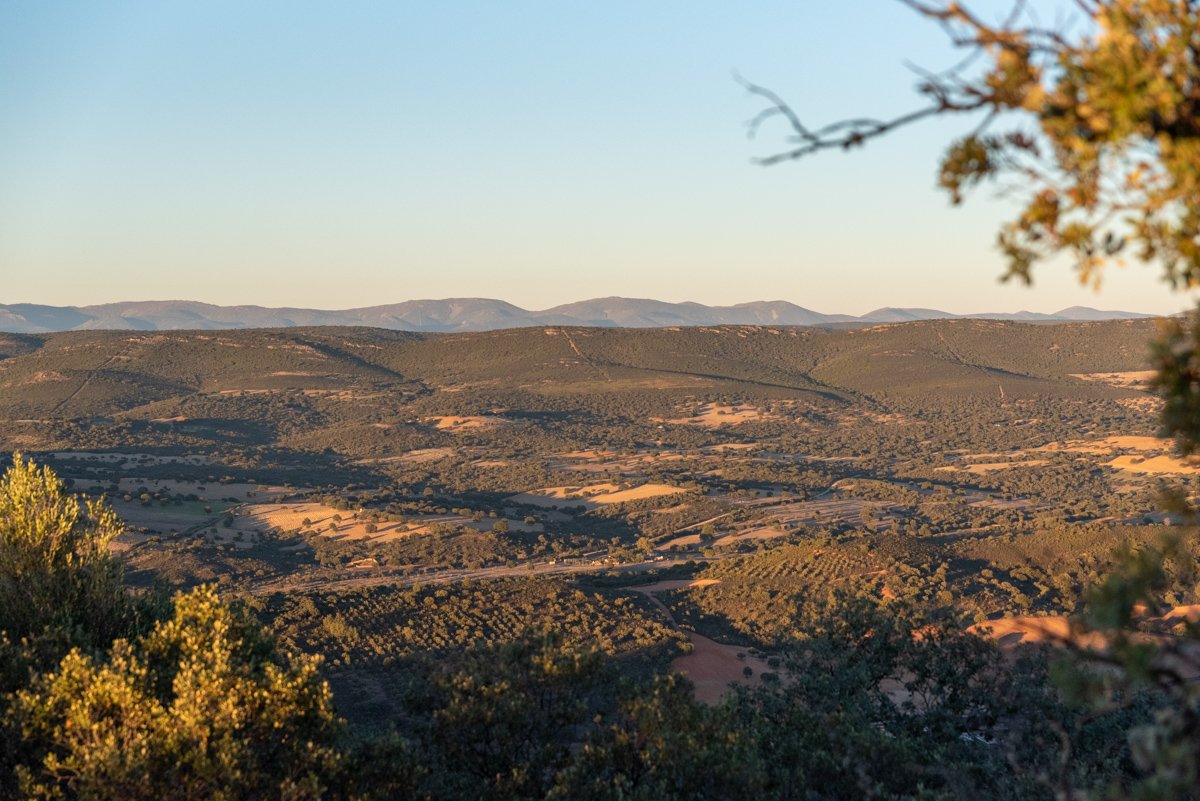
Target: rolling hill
[(86, 373)]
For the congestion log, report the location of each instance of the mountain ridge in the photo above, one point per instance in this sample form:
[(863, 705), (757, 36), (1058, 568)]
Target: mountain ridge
[(479, 314)]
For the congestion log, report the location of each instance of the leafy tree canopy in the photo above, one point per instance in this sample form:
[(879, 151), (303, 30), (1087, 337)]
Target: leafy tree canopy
[(55, 566), (1096, 128), (202, 707)]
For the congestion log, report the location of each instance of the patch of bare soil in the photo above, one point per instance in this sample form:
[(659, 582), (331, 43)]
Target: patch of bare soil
[(761, 533), (1141, 380), (713, 667), (1156, 465), (684, 540), (1055, 630), (716, 415), (980, 468), (593, 495), (1108, 445), (292, 516), (454, 423)]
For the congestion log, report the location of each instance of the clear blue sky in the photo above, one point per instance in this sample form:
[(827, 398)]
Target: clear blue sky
[(348, 154)]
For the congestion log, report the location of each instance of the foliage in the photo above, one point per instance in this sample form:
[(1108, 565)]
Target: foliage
[(202, 707), (382, 645), (1112, 165), (55, 567), (663, 745), (876, 704), (506, 718), (1105, 147), (383, 623), (1177, 358), (1141, 656)]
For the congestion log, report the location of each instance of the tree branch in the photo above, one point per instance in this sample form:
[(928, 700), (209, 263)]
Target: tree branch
[(844, 134)]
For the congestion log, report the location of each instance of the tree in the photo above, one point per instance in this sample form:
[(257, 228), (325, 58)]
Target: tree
[(55, 568), (59, 585), (1102, 141), (202, 707), (663, 746), (506, 715), (1101, 130)]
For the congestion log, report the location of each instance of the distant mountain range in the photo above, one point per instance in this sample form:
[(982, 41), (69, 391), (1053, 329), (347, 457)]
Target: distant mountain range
[(476, 314)]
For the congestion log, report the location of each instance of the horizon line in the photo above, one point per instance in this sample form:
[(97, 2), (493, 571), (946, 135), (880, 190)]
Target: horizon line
[(897, 306)]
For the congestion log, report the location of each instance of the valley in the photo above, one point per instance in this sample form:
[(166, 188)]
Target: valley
[(384, 497)]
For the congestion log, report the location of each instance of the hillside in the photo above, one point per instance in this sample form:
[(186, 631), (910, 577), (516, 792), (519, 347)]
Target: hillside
[(73, 374)]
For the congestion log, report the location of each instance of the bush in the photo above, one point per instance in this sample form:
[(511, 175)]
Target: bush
[(203, 706), (55, 568)]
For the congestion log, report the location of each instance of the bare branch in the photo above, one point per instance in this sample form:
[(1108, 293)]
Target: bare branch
[(778, 108), (860, 131)]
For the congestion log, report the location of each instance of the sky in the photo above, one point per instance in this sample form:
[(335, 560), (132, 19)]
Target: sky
[(337, 155)]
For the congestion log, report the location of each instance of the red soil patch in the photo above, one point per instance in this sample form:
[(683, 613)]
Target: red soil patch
[(712, 667)]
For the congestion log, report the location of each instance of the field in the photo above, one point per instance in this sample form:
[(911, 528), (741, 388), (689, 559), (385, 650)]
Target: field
[(678, 497)]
